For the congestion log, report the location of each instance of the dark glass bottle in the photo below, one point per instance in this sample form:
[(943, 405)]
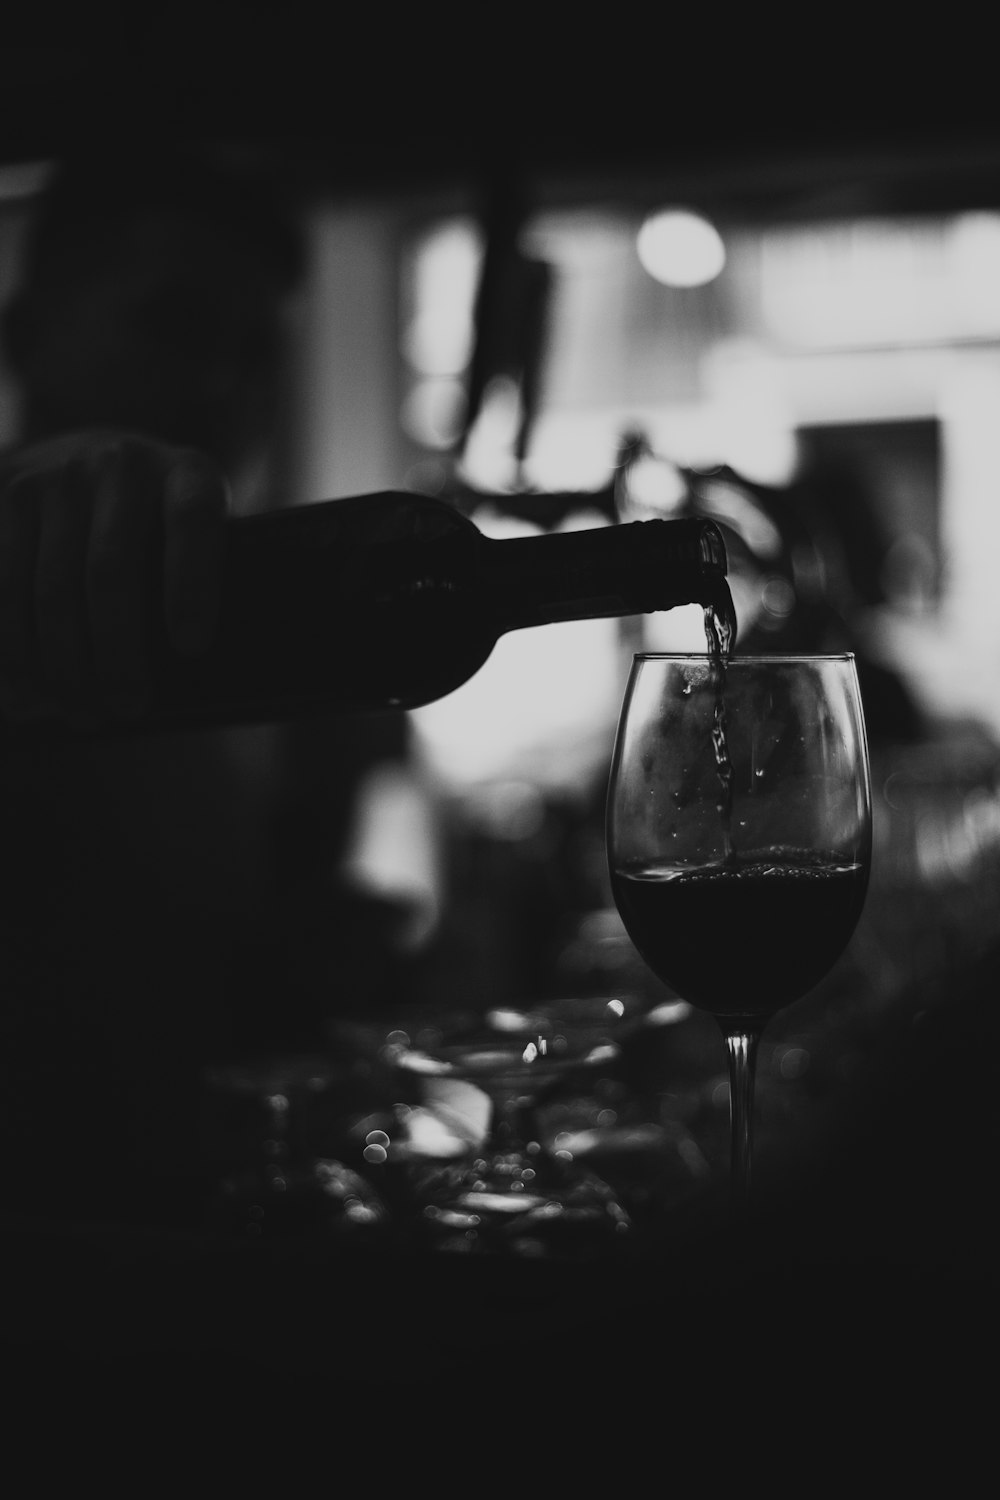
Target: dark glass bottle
[(392, 600)]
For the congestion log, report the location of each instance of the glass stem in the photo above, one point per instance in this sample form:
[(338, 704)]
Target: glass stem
[(741, 1053)]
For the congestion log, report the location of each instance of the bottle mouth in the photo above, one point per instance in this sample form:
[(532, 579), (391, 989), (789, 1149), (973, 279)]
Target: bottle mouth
[(713, 547)]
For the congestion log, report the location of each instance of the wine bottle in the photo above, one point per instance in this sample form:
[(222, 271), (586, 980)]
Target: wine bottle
[(393, 600)]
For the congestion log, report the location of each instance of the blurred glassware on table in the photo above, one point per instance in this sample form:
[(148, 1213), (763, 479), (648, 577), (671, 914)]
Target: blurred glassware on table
[(481, 1173)]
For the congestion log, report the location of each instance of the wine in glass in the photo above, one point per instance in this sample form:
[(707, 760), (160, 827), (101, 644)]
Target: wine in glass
[(739, 837)]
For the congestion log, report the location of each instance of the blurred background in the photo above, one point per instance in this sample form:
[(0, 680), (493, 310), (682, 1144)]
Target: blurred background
[(596, 279)]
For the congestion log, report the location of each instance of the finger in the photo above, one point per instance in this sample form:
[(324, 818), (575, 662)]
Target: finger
[(60, 605), (18, 552), (194, 510), (122, 588)]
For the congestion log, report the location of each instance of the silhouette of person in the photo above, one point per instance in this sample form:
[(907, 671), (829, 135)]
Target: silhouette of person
[(816, 569), (166, 901)]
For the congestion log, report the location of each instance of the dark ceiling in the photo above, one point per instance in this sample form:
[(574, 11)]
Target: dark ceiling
[(820, 129)]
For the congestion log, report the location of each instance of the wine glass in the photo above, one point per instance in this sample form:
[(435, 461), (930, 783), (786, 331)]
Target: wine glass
[(500, 1187), (739, 836)]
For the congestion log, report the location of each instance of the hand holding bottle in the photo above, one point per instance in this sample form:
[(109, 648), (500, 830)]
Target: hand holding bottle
[(99, 531)]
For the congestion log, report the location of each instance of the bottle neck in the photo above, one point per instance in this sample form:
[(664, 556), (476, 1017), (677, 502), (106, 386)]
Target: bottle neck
[(617, 570)]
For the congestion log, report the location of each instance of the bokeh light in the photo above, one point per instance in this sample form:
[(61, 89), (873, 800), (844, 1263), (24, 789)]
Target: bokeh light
[(680, 248)]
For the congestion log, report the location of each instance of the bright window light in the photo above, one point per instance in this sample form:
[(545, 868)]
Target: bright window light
[(680, 248), (444, 271)]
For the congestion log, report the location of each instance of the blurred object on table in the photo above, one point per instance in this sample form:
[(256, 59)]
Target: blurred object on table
[(470, 1088), (273, 1131)]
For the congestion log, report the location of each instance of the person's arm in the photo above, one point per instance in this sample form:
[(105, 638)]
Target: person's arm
[(99, 530)]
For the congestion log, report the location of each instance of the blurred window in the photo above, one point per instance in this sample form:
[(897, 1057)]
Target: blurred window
[(871, 339)]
